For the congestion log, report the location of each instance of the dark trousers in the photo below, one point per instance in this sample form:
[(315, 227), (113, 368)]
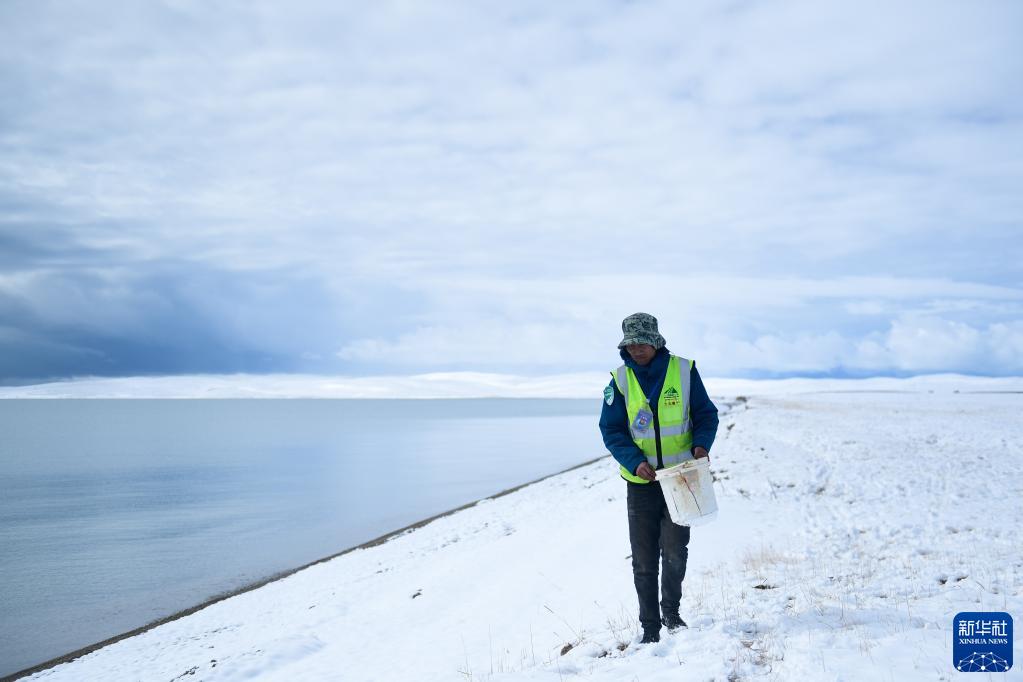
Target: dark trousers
[(655, 538)]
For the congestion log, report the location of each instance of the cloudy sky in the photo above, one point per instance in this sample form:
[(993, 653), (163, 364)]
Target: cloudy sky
[(796, 188)]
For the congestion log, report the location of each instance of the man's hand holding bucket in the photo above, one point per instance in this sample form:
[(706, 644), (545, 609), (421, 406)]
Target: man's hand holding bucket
[(646, 472)]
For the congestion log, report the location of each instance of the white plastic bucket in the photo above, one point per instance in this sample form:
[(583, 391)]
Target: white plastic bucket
[(689, 492)]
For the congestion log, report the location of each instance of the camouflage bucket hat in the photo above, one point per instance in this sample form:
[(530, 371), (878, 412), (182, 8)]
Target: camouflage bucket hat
[(641, 328)]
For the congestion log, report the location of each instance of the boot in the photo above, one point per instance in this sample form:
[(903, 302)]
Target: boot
[(650, 636), (673, 622)]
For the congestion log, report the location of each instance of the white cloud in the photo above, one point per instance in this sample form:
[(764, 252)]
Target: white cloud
[(731, 325), (912, 344), (917, 344)]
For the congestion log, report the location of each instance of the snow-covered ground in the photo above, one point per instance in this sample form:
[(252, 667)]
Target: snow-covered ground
[(855, 521)]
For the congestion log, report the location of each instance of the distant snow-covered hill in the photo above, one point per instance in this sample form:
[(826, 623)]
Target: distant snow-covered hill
[(459, 385)]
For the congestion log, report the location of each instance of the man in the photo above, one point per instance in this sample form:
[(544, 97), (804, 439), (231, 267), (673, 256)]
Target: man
[(656, 414)]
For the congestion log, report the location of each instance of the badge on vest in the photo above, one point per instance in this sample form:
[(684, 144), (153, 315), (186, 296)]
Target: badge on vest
[(642, 420), (671, 398)]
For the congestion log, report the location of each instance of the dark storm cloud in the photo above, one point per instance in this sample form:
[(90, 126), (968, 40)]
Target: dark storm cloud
[(161, 318)]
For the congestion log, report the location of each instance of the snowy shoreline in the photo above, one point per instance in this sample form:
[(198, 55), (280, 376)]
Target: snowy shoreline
[(848, 538)]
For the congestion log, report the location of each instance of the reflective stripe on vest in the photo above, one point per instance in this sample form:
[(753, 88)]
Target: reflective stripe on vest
[(674, 425)]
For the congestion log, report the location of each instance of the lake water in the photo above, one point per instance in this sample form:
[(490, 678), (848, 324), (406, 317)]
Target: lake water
[(114, 513)]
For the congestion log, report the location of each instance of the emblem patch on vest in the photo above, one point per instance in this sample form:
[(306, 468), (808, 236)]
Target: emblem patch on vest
[(671, 398), (609, 395), (642, 420)]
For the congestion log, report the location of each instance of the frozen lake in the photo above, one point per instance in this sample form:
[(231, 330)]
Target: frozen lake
[(114, 513)]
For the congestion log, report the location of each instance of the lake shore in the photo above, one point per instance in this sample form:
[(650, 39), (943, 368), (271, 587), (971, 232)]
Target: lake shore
[(846, 542), (73, 655)]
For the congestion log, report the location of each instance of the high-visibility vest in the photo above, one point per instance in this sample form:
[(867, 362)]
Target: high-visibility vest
[(673, 430)]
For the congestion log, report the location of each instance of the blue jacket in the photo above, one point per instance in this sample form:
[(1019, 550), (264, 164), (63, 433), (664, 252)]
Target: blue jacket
[(614, 419)]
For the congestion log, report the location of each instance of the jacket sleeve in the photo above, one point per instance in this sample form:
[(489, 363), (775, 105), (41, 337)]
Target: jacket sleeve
[(702, 411), (614, 427)]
